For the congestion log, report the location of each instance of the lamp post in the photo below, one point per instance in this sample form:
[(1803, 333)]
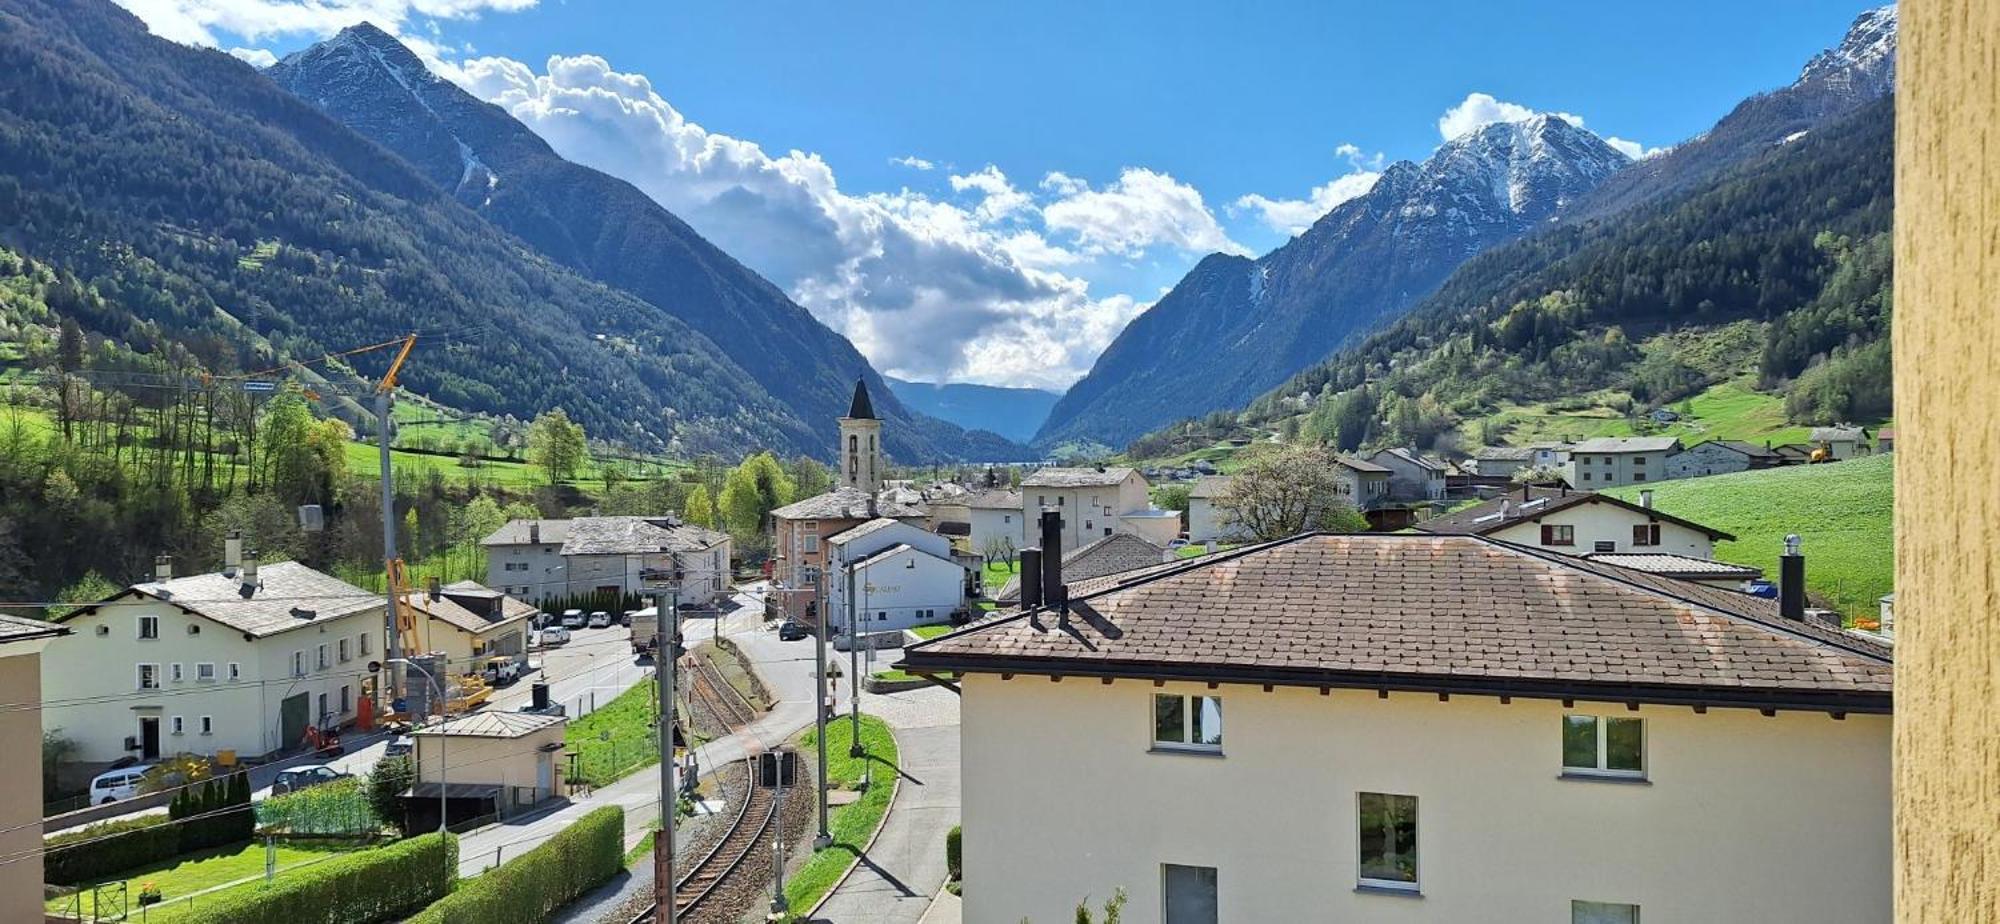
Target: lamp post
[(444, 714), (825, 836), (666, 611)]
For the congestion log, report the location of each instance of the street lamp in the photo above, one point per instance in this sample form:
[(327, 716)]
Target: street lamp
[(444, 714)]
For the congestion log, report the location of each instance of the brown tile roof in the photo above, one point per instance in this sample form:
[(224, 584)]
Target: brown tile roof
[(1446, 613), (1526, 503), (1053, 477)]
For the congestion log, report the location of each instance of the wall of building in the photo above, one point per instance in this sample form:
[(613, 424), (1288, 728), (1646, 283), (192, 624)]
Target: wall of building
[(490, 761), (1204, 521), (988, 522), (1744, 818), (1087, 512), (891, 595), (1706, 459), (1591, 471), (529, 572), (1602, 522), (1947, 462), (21, 765)]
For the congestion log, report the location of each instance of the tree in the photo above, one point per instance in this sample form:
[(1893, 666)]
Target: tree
[(57, 749), (809, 478), (556, 445), (386, 783), (753, 489), (90, 588), (1172, 497), (303, 458), (1285, 492), (699, 509)]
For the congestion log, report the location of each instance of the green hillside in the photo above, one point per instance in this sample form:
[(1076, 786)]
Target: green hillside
[(1842, 510)]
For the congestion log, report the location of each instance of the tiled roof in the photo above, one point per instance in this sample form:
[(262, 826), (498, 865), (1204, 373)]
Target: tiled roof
[(290, 596), (1505, 454), (450, 612), (1752, 450), (553, 532), (1210, 486), (492, 724), (1527, 503), (995, 500), (1446, 613), (18, 629), (637, 535), (510, 606), (1112, 554), (1627, 444), (845, 503), (1686, 567), (1838, 434), (869, 528), (1075, 477), (1412, 457), (1360, 465)]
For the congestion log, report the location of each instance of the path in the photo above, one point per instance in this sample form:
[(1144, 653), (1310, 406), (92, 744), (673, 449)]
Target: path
[(905, 867)]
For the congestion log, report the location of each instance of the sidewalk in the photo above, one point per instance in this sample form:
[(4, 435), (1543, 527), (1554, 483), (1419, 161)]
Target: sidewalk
[(905, 867)]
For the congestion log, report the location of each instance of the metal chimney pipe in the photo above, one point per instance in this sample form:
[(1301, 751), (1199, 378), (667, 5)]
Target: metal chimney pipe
[(1646, 498), (163, 568), (1792, 580), (1052, 552), (232, 551), (434, 587), (1031, 578)]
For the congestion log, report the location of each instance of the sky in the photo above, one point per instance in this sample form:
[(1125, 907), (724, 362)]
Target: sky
[(987, 193)]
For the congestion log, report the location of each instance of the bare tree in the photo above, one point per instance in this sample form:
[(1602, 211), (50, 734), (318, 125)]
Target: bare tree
[(1285, 492)]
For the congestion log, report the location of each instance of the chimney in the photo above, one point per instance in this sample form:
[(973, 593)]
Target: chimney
[(1031, 578), (1053, 591), (534, 532), (232, 552), (1646, 498), (163, 567), (1506, 507), (250, 582), (434, 587), (539, 696), (1792, 580)]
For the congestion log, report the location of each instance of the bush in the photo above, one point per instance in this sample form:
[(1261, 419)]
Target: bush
[(340, 807), (533, 885), (364, 887), (954, 852), (99, 850), (386, 783), (214, 813)]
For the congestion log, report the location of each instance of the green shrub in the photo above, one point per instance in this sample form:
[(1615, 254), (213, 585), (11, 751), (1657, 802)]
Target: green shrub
[(533, 885), (382, 884), (386, 783), (99, 850), (954, 852), (341, 807)]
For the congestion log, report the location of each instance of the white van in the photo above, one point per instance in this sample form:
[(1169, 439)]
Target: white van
[(114, 785)]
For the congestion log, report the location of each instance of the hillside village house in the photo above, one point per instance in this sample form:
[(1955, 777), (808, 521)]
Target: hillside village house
[(1579, 522), (1205, 522), (996, 515), (489, 763), (1504, 461), (1885, 439), (1413, 476), (799, 533), (22, 642), (902, 576), (1608, 462), (1720, 457), (240, 660), (470, 623), (1440, 729), (1361, 482), (1096, 502), (539, 559), (1841, 443)]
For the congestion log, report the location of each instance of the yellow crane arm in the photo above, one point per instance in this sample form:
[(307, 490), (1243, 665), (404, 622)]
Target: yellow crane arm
[(389, 378)]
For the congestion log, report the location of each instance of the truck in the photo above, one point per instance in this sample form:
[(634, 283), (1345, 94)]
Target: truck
[(645, 628)]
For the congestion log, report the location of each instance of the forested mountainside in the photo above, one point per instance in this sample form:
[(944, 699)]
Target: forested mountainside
[(1777, 268), (1234, 327), (1014, 413), (606, 229)]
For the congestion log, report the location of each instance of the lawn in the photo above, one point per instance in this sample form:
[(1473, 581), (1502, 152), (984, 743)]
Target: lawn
[(616, 738), (854, 824), (930, 632), (1842, 511), (996, 574), (1731, 410), (194, 872)]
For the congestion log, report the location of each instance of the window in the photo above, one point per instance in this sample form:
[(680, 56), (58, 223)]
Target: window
[(1107, 530), (1598, 746), (364, 644), (1604, 545), (149, 676), (812, 537), (1061, 500), (1388, 829), (298, 664), (208, 725), (1586, 476), (1087, 524), (235, 671), (1638, 476), (1007, 518), (1553, 534), (174, 671), (1582, 912), (346, 701), (1638, 461), (1187, 722), (1645, 534), (176, 725), (320, 656), (149, 627), (204, 672), (341, 648), (1187, 894)]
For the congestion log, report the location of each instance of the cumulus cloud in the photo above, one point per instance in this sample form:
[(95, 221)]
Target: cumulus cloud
[(1294, 216), (197, 22), (1141, 209), (1000, 200), (912, 162), (255, 57), (1478, 110), (1632, 149)]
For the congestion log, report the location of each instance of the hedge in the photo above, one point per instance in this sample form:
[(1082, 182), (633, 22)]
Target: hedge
[(101, 850), (367, 886), (340, 807), (535, 884)]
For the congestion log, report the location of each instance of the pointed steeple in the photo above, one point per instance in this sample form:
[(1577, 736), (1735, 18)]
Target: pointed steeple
[(862, 408)]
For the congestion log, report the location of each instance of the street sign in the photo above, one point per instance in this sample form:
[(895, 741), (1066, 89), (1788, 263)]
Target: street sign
[(256, 385)]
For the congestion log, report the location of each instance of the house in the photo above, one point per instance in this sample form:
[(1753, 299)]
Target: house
[(1412, 475), (1361, 482), (606, 556), (1720, 457), (22, 642), (1885, 439), (1109, 555), (1419, 728), (901, 575), (1577, 522), (798, 533), (471, 623), (1841, 442), (1096, 502), (1661, 415), (996, 521), (1504, 461), (1610, 461), (1204, 522), (1793, 453), (1682, 568), (487, 764), (245, 660)]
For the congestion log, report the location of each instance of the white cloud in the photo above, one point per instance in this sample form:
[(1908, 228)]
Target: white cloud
[(1632, 149), (1062, 184), (197, 22), (1478, 110), (1001, 199), (1141, 209), (912, 162), (255, 57), (1294, 216)]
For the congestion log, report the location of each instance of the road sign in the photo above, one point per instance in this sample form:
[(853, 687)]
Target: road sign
[(256, 385)]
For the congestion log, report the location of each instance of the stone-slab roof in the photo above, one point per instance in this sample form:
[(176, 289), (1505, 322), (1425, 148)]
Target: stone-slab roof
[(1209, 486), (1667, 564), (637, 536), (1527, 503), (1838, 434), (492, 724), (289, 596), (554, 532), (995, 500), (1054, 477), (1626, 444), (845, 503), (1112, 554), (19, 629), (1446, 613)]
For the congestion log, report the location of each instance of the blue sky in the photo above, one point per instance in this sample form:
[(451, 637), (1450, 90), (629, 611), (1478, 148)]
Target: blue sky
[(1082, 155)]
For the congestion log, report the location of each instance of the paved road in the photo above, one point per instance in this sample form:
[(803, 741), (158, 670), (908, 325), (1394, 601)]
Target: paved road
[(902, 871)]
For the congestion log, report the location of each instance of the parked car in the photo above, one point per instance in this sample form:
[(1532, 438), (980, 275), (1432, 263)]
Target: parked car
[(501, 670), (117, 785), (554, 635), (600, 620), (626, 620), (573, 619), (1178, 544), (789, 631), (400, 746), (305, 777)]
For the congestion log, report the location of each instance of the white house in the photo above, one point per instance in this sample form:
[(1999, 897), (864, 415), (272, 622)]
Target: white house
[(1096, 502), (471, 623), (1427, 729), (241, 660), (538, 559), (1360, 482), (902, 576), (1579, 522), (1205, 522), (996, 516), (1607, 462), (1413, 476)]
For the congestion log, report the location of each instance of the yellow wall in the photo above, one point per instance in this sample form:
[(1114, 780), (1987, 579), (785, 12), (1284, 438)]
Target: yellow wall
[(1947, 338), (1745, 818), (21, 766)]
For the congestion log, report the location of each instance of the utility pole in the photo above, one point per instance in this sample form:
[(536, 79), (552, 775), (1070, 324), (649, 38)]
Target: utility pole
[(666, 607), (779, 906), (391, 635), (853, 659), (825, 836)]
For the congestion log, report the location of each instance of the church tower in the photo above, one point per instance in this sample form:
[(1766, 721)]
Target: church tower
[(861, 443)]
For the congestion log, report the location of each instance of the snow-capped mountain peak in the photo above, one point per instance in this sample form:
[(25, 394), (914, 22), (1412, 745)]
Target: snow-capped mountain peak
[(1864, 63)]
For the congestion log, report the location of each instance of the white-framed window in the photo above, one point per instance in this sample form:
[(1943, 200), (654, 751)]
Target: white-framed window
[(1187, 722), (1387, 825), (235, 671), (364, 644), (208, 725), (149, 627), (1583, 912), (341, 650), (176, 725), (174, 672), (149, 676), (811, 535), (1188, 894), (1604, 746), (204, 672), (321, 656), (298, 664)]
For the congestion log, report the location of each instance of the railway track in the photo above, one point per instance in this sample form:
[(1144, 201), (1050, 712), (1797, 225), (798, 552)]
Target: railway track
[(723, 701)]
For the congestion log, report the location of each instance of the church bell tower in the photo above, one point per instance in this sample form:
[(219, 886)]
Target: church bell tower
[(861, 443)]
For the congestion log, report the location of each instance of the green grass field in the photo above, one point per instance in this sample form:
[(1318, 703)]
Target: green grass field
[(1727, 411), (996, 574), (617, 737), (207, 869), (853, 824), (1842, 511)]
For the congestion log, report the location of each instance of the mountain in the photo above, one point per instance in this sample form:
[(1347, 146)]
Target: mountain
[(1235, 327), (607, 230), (1852, 74), (1014, 413), (226, 225)]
